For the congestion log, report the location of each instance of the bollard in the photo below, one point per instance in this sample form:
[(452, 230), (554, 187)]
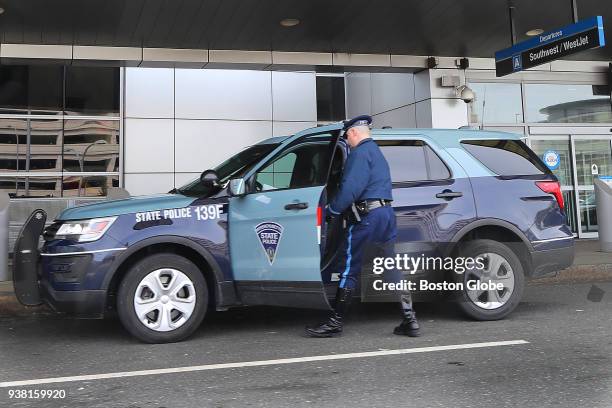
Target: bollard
[(5, 274), (603, 196)]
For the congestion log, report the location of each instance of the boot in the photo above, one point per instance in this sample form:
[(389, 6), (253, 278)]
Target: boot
[(409, 326), (333, 326)]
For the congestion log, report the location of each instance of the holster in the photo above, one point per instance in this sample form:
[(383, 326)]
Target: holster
[(352, 215)]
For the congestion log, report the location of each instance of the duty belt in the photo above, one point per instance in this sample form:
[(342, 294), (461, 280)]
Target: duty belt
[(366, 206)]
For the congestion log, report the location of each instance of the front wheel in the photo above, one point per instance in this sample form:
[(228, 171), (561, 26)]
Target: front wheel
[(500, 267), (162, 299)]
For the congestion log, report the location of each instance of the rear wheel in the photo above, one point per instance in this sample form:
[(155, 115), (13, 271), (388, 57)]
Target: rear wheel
[(162, 299), (502, 268)]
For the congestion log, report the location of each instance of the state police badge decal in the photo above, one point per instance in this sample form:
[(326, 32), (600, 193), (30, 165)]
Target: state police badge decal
[(269, 234)]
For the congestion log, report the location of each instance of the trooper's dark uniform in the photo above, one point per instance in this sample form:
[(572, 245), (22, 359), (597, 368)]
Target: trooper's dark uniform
[(366, 190)]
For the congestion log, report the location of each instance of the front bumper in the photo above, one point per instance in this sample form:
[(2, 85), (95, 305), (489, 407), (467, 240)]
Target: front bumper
[(82, 303), (32, 275)]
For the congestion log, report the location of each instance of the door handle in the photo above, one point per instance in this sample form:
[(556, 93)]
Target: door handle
[(449, 195), (296, 206)]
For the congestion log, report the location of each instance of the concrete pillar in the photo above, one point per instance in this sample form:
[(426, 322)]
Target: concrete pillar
[(405, 100), (437, 106), (4, 237)]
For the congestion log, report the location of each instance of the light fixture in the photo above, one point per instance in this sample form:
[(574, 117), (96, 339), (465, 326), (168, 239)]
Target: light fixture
[(289, 22), (1, 10), (534, 32)]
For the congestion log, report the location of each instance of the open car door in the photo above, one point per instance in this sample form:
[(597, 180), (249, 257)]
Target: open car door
[(275, 228)]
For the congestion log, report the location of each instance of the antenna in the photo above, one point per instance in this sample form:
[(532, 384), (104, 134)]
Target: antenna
[(484, 104)]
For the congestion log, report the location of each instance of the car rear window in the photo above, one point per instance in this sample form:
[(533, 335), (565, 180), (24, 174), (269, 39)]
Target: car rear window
[(506, 157), (412, 160)]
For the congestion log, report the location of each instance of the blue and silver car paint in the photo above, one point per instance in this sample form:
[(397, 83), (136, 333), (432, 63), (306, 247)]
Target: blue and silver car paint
[(232, 241), (138, 219)]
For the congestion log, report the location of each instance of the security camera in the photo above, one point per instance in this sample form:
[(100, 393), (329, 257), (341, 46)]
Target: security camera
[(465, 93)]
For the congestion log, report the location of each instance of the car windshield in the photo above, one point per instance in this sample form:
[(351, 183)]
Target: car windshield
[(234, 167)]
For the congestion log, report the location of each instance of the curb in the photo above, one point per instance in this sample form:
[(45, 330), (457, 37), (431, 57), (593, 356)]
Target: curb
[(578, 274)]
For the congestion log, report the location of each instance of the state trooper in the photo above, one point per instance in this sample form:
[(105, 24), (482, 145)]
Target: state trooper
[(365, 194)]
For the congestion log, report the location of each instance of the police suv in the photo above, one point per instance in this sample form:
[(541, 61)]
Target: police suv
[(254, 230)]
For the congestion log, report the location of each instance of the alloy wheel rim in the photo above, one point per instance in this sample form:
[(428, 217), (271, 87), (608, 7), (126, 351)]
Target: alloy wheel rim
[(164, 299), (497, 270)]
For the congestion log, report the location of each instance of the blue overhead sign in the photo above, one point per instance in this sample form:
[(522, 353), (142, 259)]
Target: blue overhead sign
[(549, 46)]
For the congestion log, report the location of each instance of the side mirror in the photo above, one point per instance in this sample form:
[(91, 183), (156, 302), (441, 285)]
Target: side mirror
[(237, 187), (209, 178)]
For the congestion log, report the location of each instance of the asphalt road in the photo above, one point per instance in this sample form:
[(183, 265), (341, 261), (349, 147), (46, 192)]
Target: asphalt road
[(566, 362)]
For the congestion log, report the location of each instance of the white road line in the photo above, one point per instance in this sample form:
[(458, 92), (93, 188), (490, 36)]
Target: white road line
[(258, 363)]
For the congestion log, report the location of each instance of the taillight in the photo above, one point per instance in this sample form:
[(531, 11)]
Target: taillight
[(319, 223), (554, 188)]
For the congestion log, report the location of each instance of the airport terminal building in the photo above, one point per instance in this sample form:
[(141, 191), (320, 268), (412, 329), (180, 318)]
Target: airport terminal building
[(154, 95)]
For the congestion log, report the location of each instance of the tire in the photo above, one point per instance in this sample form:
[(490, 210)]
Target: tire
[(492, 305), (176, 311)]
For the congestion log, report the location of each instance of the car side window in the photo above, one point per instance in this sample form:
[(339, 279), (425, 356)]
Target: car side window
[(506, 157), (412, 160), (437, 168), (305, 165), (278, 174)]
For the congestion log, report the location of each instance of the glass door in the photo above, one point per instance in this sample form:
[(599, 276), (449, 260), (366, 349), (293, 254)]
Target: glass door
[(558, 149), (592, 158)]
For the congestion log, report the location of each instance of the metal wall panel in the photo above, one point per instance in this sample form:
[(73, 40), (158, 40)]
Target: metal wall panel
[(220, 94), (391, 91), (404, 117), (149, 146), (290, 128), (149, 93), (202, 144), (149, 183), (180, 179), (294, 96), (423, 114), (358, 94)]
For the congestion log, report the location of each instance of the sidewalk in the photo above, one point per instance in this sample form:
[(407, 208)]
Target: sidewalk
[(590, 265)]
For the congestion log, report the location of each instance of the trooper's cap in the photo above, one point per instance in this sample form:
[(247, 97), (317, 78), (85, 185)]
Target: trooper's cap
[(362, 120)]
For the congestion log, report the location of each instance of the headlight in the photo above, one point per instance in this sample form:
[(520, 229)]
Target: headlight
[(85, 230)]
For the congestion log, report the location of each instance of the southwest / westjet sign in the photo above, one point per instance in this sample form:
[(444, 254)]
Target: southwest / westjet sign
[(552, 45)]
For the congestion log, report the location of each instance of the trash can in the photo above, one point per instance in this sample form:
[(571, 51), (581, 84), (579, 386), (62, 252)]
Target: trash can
[(4, 237), (603, 196)]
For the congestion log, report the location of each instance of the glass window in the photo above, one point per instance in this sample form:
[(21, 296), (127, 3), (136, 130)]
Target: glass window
[(330, 99), (88, 186), (234, 167), (588, 211), (412, 160), (557, 103), (506, 157), (437, 168), (92, 90), (34, 186), (91, 145), (593, 158), (304, 165), (278, 174), (30, 145), (562, 147), (31, 89), (496, 103)]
